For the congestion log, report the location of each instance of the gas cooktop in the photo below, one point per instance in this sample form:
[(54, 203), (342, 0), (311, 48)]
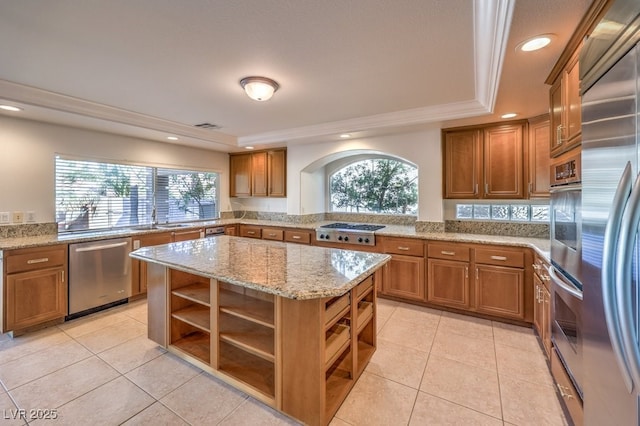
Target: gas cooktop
[(351, 233), (353, 226)]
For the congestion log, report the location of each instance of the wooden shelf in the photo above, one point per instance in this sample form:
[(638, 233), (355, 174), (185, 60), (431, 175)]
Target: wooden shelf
[(195, 315), (246, 307), (249, 369), (365, 352), (337, 342), (364, 314), (257, 339), (338, 384), (198, 293), (196, 344)]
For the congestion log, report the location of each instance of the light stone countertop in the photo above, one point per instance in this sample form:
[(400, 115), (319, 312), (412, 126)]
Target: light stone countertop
[(295, 271), (542, 246)]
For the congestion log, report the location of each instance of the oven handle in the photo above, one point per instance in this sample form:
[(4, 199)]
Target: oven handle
[(611, 235), (560, 282), (624, 262)]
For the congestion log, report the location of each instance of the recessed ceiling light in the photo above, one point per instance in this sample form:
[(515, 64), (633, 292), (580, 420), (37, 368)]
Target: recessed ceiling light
[(172, 138), (10, 108), (248, 147), (509, 115), (345, 135), (535, 43)]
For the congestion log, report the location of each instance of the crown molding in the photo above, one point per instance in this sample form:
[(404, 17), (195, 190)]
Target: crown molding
[(28, 95)]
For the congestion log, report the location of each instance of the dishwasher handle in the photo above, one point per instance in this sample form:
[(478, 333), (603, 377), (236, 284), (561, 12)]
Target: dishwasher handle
[(101, 247)]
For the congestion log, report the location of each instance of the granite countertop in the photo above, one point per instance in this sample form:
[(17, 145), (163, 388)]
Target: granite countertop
[(295, 271), (542, 246)]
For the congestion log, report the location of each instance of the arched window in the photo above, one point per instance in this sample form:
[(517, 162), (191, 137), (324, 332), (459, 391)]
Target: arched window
[(375, 185)]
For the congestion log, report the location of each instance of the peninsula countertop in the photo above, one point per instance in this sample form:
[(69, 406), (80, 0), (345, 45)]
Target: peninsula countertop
[(295, 271)]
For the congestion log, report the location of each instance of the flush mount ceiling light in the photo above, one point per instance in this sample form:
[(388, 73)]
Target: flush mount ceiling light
[(535, 43), (345, 135), (172, 138), (248, 147), (508, 115), (259, 88), (10, 108)]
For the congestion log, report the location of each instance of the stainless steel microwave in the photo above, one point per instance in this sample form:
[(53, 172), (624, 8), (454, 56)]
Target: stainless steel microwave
[(566, 170)]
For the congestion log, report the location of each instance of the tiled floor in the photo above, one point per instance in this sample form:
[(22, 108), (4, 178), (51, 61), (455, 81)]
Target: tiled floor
[(431, 367)]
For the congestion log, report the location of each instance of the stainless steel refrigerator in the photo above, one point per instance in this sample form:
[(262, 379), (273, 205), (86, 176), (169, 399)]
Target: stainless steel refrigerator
[(610, 71)]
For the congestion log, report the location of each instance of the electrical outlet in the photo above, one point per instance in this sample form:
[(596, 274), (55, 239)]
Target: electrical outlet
[(31, 216), (18, 217), (4, 217)]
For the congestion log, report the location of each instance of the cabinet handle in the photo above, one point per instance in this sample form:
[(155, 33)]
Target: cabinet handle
[(477, 275), (62, 274), (475, 191), (502, 258), (466, 272), (559, 135), (536, 266), (538, 294), (403, 248), (448, 253), (251, 232), (272, 235), (564, 391), (530, 188), (41, 260), (296, 237), (486, 188)]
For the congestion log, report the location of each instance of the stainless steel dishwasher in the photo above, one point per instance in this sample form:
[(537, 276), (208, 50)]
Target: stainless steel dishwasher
[(99, 275)]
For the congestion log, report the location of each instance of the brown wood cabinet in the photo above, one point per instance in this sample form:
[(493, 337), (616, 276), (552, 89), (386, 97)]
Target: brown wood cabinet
[(405, 272), (485, 162), (539, 134), (250, 231), (35, 287), (231, 230), (258, 174), (542, 303), (565, 105), (448, 270)]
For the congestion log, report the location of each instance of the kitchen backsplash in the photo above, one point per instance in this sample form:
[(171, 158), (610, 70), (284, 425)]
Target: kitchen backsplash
[(512, 229)]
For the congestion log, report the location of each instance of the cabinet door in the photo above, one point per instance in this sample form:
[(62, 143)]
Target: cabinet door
[(240, 175), (500, 291), (572, 105), (448, 283), (187, 235), (404, 277), (277, 173), (462, 164), (538, 307), (230, 230), (546, 320), (539, 134), (259, 174), (35, 297), (503, 162), (555, 99), (139, 280)]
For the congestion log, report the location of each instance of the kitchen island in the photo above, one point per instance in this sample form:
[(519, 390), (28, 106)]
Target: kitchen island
[(292, 325)]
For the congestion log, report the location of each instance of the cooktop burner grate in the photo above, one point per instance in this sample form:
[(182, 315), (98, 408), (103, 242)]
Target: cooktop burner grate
[(353, 226)]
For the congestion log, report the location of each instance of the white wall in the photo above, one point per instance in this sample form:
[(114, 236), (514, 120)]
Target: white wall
[(28, 148)]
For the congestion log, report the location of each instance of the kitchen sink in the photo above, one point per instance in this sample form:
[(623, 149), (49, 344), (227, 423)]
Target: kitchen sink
[(160, 226)]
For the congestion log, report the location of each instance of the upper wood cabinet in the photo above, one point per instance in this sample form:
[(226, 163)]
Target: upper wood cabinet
[(538, 172), (565, 106), (258, 174), (485, 162)]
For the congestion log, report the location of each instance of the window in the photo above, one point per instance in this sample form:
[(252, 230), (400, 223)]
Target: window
[(504, 212), (94, 195), (377, 185)]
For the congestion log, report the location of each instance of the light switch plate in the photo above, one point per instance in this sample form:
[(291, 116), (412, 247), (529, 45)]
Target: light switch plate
[(31, 216), (18, 217), (4, 217)]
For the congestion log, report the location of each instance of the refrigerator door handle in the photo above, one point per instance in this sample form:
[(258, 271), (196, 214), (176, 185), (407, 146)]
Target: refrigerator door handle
[(611, 235), (623, 290)]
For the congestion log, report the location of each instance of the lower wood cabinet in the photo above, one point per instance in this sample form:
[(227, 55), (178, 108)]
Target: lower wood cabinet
[(35, 287), (405, 272), (448, 283), (542, 303)]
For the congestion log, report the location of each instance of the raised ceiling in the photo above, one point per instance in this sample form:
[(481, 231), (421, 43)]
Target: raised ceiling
[(153, 68)]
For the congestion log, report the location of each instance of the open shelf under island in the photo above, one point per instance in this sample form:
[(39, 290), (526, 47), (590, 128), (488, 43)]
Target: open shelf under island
[(292, 325)]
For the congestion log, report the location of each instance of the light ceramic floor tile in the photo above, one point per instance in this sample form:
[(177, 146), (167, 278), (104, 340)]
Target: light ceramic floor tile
[(338, 422), (41, 363), (187, 401), (377, 401), (469, 350), (398, 363), (162, 375), (156, 415), (64, 385), (417, 314), (408, 334), (30, 343), (132, 354), (9, 413), (431, 410), (91, 323), (138, 313), (109, 404), (253, 412), (384, 309), (516, 336), (523, 365), (113, 335), (463, 384), (525, 403), (465, 325)]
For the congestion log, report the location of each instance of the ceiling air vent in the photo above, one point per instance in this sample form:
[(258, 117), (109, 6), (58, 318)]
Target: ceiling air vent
[(208, 126)]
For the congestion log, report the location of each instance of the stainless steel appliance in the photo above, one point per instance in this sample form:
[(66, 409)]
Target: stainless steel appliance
[(349, 233), (213, 231), (99, 275), (610, 74)]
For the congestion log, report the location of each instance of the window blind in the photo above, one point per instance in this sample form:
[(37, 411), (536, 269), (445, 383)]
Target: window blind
[(184, 195)]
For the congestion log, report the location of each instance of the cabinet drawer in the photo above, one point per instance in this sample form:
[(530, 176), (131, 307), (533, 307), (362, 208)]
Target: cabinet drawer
[(514, 259), (448, 252), (404, 246), (565, 388), (302, 237), (272, 234), (363, 287), (32, 259), (250, 231)]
